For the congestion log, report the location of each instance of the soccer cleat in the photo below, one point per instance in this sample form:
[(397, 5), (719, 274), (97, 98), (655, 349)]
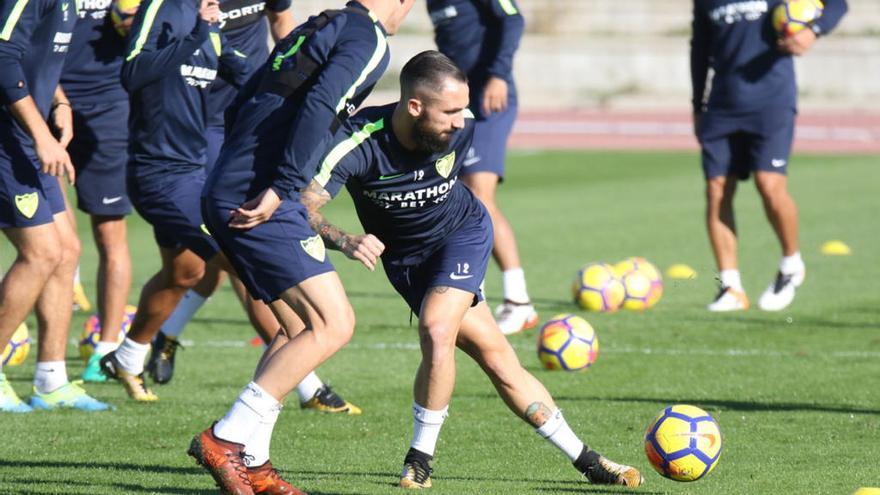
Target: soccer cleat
[(515, 317), (71, 396), (780, 293), (729, 299), (161, 364), (224, 460), (9, 401), (601, 471), (80, 300), (416, 470), (265, 480), (134, 384), (326, 400), (93, 373)]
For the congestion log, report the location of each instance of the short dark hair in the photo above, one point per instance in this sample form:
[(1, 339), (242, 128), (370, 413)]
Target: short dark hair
[(428, 70)]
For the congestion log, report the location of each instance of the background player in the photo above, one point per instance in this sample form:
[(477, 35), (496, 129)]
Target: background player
[(482, 36), (400, 163), (34, 39), (746, 125)]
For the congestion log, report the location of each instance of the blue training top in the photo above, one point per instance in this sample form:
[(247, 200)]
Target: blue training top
[(172, 59), (412, 201), (737, 39), (276, 141), (481, 37), (91, 71)]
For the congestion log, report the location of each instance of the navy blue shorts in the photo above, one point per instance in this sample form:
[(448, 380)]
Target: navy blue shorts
[(99, 152), (215, 136), (172, 206), (28, 197), (737, 145), (489, 149), (460, 262), (273, 256)]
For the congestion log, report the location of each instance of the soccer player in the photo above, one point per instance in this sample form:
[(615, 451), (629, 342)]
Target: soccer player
[(34, 39), (400, 163), (280, 126), (99, 153), (482, 36), (745, 124)]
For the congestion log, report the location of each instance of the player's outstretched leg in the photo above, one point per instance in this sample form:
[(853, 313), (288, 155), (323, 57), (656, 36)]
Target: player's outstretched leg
[(782, 213), (721, 225)]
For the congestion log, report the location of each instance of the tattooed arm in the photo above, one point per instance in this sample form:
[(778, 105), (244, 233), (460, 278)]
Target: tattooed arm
[(365, 248)]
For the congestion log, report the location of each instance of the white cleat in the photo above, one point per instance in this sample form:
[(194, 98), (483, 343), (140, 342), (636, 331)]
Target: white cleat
[(729, 299), (780, 293), (515, 317)]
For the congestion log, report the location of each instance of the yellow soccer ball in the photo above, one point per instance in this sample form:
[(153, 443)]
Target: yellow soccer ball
[(792, 16), (121, 11), (642, 283), (567, 342), (17, 349), (683, 443), (596, 287), (91, 333)]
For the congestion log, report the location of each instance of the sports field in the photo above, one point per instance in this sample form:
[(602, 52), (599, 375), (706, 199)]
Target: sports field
[(795, 393)]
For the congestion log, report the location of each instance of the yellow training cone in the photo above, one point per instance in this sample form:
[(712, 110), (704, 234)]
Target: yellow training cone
[(867, 491), (681, 271), (835, 248)]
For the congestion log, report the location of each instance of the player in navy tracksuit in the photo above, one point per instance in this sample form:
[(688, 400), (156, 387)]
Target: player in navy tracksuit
[(98, 151), (34, 39), (401, 165), (482, 36), (745, 124), (277, 130)]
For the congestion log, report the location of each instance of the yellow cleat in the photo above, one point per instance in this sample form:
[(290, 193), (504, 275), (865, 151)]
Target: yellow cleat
[(416, 471), (134, 384), (80, 300), (328, 401)]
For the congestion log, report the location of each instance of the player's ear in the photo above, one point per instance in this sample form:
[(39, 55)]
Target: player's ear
[(414, 107)]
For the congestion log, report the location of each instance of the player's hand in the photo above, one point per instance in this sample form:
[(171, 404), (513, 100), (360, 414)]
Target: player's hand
[(255, 211), (54, 159), (209, 11), (798, 43), (494, 96), (365, 248), (62, 120)]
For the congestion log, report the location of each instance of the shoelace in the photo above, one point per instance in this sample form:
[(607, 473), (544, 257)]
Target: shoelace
[(328, 397), (420, 472), (239, 462)]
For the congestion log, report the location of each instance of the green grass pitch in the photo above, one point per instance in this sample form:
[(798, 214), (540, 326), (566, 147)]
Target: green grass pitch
[(795, 393)]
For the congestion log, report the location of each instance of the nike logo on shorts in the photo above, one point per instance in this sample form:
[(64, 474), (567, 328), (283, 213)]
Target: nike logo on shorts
[(455, 276), (777, 162), (110, 201)]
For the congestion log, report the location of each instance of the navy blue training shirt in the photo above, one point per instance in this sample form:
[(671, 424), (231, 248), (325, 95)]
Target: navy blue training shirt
[(737, 39), (172, 59), (276, 141), (91, 70), (244, 24), (410, 200), (34, 39), (481, 37)]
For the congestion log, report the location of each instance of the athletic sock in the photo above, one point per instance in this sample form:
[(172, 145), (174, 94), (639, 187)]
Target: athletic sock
[(791, 264), (131, 356), (50, 376), (514, 281), (426, 428), (185, 310), (557, 432), (308, 387), (257, 446), (105, 347), (252, 407), (730, 278), (76, 276)]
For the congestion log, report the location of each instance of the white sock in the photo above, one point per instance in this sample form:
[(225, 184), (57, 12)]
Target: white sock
[(308, 387), (515, 285), (185, 310), (426, 428), (791, 264), (257, 446), (76, 275), (50, 376), (253, 406), (557, 432), (730, 278), (131, 356), (104, 347)]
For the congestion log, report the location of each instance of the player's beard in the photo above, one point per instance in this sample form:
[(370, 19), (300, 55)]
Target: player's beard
[(427, 140)]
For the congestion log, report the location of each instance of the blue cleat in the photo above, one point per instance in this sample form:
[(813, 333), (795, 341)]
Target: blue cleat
[(9, 401), (93, 373), (71, 395)]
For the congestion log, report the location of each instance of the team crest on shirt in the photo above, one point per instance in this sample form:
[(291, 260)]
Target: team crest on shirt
[(314, 247), (444, 165), (27, 204)]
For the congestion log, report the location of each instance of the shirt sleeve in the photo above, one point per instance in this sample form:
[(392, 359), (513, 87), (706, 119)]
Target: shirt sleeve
[(831, 15), (233, 64), (700, 40), (18, 20), (146, 61), (345, 158), (512, 23)]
